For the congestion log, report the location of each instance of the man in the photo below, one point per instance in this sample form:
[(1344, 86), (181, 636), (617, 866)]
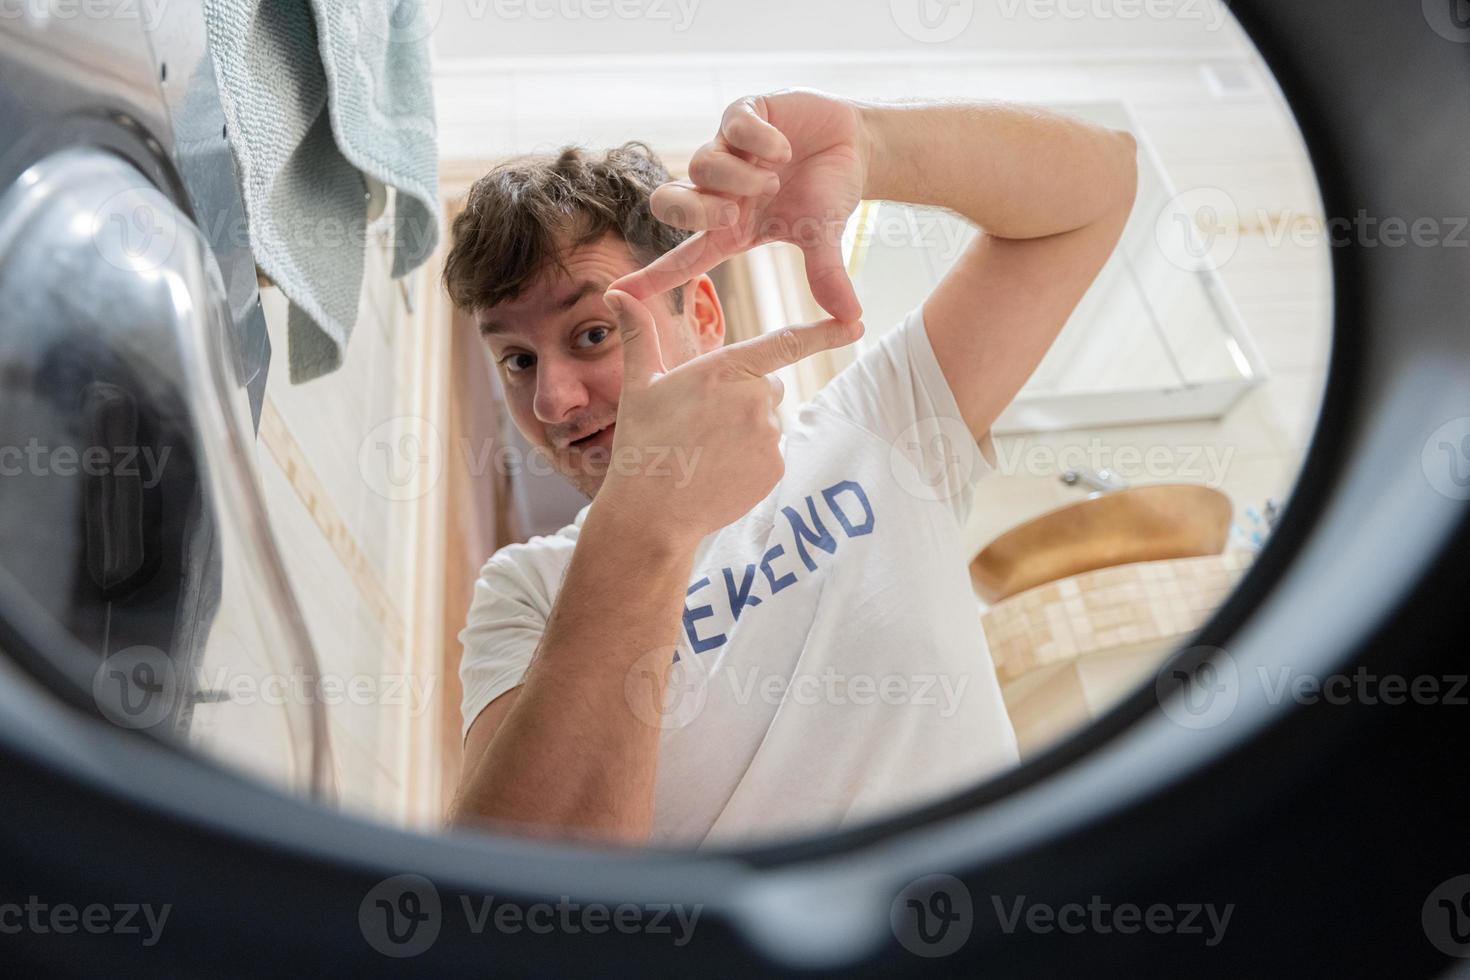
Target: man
[(780, 637)]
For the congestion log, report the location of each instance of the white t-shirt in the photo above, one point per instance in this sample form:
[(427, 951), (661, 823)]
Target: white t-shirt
[(832, 667)]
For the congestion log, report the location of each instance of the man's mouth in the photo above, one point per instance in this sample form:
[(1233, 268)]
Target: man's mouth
[(602, 437)]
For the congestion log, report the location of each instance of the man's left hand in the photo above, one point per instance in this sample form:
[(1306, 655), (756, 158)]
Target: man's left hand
[(790, 167)]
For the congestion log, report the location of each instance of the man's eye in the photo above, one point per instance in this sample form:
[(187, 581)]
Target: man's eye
[(515, 363), (594, 336)]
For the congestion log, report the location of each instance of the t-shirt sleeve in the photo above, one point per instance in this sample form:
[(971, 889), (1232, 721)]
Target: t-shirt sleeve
[(506, 619), (897, 391)]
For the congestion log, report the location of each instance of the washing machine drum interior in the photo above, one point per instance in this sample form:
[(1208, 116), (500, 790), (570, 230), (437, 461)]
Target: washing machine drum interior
[(1320, 825)]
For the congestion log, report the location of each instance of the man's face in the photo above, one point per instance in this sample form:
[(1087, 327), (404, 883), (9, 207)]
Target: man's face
[(560, 358)]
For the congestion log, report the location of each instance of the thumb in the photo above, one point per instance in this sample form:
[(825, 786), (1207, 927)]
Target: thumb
[(642, 359), (827, 278)]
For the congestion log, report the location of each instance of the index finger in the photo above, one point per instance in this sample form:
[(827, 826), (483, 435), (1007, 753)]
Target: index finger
[(694, 256), (773, 351), (642, 359)]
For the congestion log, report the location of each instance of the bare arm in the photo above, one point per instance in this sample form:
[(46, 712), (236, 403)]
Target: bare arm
[(1051, 195), (1017, 171), (567, 750)]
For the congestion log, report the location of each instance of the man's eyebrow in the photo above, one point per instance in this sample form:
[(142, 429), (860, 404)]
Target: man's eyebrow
[(571, 299)]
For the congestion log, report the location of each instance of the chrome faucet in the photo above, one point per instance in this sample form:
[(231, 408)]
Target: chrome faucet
[(1098, 481)]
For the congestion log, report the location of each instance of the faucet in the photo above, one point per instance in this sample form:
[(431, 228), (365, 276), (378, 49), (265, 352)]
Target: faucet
[(1099, 481)]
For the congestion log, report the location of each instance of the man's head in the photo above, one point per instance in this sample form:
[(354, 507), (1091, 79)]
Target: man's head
[(539, 241)]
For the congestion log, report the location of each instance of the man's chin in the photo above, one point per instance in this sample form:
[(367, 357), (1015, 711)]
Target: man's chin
[(584, 470)]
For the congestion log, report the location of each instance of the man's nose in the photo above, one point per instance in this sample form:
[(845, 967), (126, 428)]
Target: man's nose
[(559, 391)]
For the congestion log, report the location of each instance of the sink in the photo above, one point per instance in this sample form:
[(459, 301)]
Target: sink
[(1152, 523)]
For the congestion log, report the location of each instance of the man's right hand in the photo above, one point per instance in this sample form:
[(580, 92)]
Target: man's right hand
[(718, 410)]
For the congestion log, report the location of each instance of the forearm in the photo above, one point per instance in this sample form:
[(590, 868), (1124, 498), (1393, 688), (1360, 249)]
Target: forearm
[(1016, 171), (575, 753)]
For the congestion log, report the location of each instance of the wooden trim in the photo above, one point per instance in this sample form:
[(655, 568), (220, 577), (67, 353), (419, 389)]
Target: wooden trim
[(463, 521), (427, 383), (322, 508)]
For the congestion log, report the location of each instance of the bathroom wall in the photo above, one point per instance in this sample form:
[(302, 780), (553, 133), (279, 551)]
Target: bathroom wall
[(507, 82), (494, 30), (351, 545)]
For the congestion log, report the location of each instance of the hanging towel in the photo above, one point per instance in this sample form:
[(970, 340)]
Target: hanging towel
[(316, 95)]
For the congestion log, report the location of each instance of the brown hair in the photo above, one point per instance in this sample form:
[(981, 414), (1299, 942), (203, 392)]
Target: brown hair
[(517, 215)]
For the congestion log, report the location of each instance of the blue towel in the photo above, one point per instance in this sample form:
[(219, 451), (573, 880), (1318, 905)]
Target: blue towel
[(316, 95)]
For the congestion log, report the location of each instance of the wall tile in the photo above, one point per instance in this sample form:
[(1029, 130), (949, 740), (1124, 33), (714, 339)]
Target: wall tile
[(670, 110)]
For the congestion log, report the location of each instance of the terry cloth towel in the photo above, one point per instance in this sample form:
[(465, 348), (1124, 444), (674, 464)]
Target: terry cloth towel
[(316, 95)]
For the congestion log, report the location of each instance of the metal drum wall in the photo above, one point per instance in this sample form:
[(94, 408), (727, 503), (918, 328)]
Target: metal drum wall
[(1333, 830)]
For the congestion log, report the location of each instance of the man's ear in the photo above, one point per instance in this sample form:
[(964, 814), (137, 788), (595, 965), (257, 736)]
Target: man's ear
[(703, 304)]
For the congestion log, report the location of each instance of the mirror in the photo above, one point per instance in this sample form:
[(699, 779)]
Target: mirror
[(1119, 497)]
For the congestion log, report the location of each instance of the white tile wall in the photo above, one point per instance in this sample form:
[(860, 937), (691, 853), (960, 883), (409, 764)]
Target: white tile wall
[(466, 29), (355, 611)]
